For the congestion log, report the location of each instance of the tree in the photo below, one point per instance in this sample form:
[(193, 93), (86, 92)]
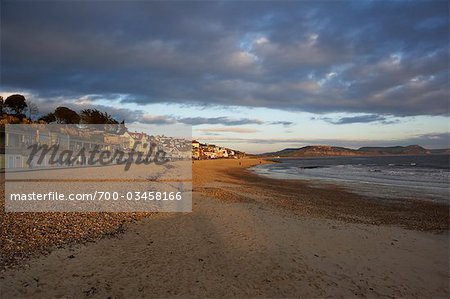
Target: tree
[(16, 103), (32, 109), (1, 105), (65, 115), (48, 118), (94, 116)]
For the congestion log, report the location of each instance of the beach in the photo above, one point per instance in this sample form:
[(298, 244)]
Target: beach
[(247, 236)]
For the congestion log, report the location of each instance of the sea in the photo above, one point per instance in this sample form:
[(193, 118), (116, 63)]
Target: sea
[(425, 177)]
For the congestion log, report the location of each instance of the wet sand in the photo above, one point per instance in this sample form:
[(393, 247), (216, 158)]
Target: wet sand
[(334, 202), (252, 237)]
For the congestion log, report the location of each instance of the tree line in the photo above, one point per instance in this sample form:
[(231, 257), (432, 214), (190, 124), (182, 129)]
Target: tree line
[(16, 108)]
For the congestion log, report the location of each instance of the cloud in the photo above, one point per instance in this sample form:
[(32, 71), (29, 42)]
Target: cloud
[(218, 120), (138, 116), (129, 115), (49, 105), (367, 118), (283, 123), (156, 119), (229, 130), (388, 58)]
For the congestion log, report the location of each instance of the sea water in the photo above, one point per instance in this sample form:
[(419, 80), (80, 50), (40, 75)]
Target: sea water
[(394, 177)]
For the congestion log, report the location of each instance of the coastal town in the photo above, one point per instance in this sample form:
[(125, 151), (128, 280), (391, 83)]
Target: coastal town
[(18, 139), (90, 130)]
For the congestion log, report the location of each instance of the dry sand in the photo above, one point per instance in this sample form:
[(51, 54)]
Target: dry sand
[(254, 237)]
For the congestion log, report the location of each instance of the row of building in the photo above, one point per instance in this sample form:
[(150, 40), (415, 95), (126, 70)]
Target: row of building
[(202, 151), (14, 153), (16, 140)]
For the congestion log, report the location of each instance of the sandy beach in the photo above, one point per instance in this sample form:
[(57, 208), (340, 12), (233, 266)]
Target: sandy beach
[(247, 236)]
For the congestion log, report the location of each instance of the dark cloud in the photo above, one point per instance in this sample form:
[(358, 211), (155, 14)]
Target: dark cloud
[(376, 57), (283, 123), (367, 118)]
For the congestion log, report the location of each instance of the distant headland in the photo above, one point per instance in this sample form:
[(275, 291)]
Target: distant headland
[(326, 150)]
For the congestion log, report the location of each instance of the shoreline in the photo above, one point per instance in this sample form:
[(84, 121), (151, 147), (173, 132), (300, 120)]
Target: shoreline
[(331, 201)]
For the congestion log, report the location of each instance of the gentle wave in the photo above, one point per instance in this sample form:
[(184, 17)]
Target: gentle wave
[(419, 177)]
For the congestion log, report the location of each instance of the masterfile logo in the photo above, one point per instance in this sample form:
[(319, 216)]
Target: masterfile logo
[(59, 167)]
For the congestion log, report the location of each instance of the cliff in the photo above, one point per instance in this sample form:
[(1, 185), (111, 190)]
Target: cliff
[(330, 151)]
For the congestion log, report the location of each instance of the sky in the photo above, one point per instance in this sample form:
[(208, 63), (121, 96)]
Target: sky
[(257, 76)]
